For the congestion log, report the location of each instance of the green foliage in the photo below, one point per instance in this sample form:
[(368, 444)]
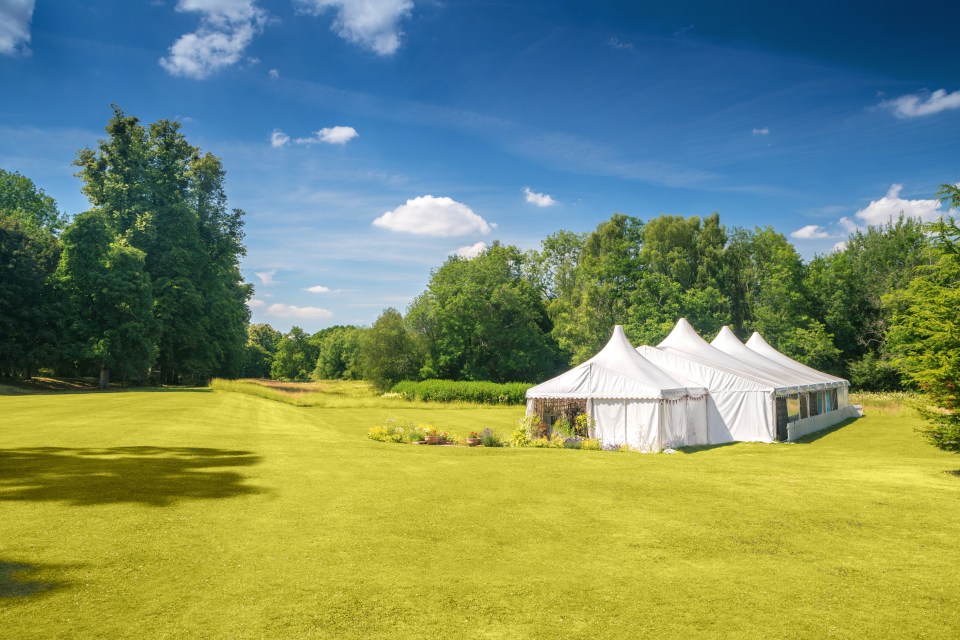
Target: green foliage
[(490, 438), (338, 353), (108, 303), (166, 198), (20, 198), (482, 319), (924, 334), (400, 431), (262, 343), (389, 352), (29, 307), (462, 390), (296, 356)]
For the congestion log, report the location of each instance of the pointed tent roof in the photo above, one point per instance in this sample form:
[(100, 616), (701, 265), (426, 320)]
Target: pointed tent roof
[(757, 344), (684, 342), (730, 344), (617, 371)]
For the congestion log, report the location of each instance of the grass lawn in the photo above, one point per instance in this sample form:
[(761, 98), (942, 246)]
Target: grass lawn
[(213, 514)]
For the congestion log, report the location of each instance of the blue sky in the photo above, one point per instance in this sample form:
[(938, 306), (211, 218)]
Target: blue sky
[(369, 139)]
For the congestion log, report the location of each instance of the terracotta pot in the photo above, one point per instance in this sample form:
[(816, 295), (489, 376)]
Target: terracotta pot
[(473, 442), (431, 440)]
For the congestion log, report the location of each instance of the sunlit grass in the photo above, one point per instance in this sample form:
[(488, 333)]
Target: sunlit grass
[(211, 514)]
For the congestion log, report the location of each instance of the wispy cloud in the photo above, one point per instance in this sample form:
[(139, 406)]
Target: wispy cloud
[(915, 105), (266, 277), (273, 73), (616, 43), (433, 216), (278, 139), (255, 303), (371, 24), (330, 135), (538, 199), (15, 17), (319, 288), (226, 28), (761, 132), (281, 310), (471, 251)]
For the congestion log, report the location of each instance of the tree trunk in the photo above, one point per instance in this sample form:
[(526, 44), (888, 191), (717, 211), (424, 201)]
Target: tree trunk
[(104, 377)]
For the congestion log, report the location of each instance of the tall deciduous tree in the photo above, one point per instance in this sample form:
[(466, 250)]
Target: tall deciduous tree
[(262, 342), (20, 198), (109, 323), (296, 356), (339, 353), (483, 320), (28, 305), (389, 351), (167, 199)]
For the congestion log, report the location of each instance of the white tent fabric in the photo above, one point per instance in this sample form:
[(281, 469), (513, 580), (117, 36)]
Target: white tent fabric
[(740, 404), (786, 377), (631, 400)]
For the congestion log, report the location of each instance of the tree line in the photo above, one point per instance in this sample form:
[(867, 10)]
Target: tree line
[(146, 284)]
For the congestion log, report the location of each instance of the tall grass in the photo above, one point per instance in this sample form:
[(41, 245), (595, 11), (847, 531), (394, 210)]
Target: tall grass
[(889, 402), (333, 394), (464, 391)]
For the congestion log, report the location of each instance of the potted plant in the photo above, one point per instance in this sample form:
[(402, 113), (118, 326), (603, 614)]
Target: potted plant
[(432, 435), (474, 439)]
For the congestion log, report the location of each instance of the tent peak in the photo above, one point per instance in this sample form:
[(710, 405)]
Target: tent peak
[(682, 334)]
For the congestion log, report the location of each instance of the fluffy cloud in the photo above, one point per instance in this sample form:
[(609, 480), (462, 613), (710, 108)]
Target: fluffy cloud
[(810, 232), (430, 216), (227, 27), (278, 138), (538, 199), (279, 310), (266, 277), (890, 206), (273, 73), (330, 135), (319, 288), (255, 304), (762, 131), (471, 251), (15, 17), (372, 24), (915, 105)]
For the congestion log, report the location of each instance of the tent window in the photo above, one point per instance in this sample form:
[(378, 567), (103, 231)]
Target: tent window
[(793, 408), (814, 406), (552, 409), (781, 406), (833, 395), (804, 406)]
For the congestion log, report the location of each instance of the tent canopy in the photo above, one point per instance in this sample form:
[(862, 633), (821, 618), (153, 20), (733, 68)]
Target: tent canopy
[(728, 342), (618, 371), (757, 344)]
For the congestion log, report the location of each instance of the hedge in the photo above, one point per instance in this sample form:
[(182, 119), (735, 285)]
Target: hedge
[(464, 391)]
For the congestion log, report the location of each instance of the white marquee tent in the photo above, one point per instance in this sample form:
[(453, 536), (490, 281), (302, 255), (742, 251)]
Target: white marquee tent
[(630, 400), (750, 395)]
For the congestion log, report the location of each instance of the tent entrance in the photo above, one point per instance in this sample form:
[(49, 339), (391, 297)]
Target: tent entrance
[(550, 410)]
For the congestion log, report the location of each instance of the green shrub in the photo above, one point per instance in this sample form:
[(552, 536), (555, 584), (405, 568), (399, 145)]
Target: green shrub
[(490, 438), (591, 444), (462, 391)]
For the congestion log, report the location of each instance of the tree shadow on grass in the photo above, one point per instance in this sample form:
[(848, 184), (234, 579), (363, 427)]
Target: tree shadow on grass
[(154, 476), (18, 580)]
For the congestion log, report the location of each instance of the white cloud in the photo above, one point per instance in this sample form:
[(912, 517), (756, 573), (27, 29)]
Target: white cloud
[(331, 135), (255, 304), (538, 199), (431, 216), (280, 310), (372, 24), (471, 251), (15, 17), (278, 138), (226, 28), (616, 43), (273, 73), (923, 104), (840, 246), (762, 131), (266, 277), (848, 225), (319, 288), (810, 232), (889, 206)]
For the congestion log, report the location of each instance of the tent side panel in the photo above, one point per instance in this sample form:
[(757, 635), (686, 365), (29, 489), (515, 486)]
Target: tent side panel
[(611, 419), (747, 416), (643, 417)]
